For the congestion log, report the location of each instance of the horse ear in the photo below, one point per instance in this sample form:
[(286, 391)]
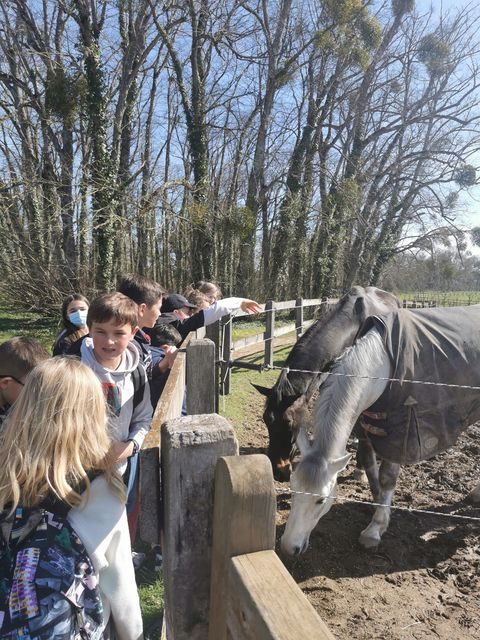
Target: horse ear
[(339, 464), (360, 308), (265, 391)]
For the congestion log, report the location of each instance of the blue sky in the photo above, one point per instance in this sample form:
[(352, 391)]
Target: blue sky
[(470, 214)]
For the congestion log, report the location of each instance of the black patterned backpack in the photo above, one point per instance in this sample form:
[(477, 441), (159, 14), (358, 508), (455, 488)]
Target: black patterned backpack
[(48, 587)]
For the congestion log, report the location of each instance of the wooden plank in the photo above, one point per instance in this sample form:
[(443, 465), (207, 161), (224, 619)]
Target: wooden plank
[(245, 342), (281, 306), (315, 302), (190, 448), (282, 331), (299, 317), (200, 375), (269, 332), (225, 371), (169, 406), (212, 332), (243, 521), (265, 603), (260, 337)]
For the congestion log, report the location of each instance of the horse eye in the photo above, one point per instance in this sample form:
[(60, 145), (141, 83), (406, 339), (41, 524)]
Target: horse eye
[(321, 501)]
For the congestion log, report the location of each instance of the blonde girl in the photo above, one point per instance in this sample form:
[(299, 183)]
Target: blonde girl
[(55, 438)]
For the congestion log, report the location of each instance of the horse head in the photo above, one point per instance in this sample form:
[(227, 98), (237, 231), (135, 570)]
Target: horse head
[(283, 417), (313, 485)]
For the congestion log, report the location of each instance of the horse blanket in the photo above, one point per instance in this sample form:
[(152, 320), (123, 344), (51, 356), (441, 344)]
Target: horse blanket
[(412, 422)]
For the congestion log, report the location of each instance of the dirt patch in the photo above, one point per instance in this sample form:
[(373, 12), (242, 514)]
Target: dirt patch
[(423, 580)]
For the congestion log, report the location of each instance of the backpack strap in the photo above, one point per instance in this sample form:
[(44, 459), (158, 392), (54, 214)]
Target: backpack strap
[(139, 378)]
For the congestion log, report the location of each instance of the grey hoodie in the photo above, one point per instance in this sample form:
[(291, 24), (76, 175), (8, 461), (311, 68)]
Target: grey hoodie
[(124, 423)]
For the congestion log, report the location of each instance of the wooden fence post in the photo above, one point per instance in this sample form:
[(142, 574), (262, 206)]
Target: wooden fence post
[(225, 371), (238, 529), (190, 449), (252, 594), (212, 332), (299, 316), (201, 389), (269, 332)]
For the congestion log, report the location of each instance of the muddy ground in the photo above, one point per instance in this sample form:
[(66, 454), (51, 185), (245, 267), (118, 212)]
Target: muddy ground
[(423, 581)]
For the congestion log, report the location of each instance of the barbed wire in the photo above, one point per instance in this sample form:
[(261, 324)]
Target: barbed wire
[(288, 370), (379, 504)]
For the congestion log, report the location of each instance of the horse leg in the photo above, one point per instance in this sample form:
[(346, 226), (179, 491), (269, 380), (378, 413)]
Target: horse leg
[(388, 474), (367, 462)]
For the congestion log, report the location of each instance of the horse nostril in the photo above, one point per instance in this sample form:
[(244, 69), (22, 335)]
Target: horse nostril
[(296, 551), (282, 471)]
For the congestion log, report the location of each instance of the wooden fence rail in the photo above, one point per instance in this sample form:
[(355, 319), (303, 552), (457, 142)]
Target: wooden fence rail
[(252, 595)]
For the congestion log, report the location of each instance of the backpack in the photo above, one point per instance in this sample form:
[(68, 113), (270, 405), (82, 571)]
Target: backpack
[(48, 586), (139, 376)]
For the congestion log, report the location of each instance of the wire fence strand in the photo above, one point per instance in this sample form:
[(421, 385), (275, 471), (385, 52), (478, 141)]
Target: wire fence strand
[(379, 504)]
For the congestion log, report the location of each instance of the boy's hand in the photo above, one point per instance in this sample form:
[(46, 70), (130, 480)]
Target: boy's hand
[(250, 306), (120, 451), (170, 355)]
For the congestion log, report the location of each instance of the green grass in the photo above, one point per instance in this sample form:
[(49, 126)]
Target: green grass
[(242, 329), (27, 323), (242, 394), (443, 298), (150, 590)]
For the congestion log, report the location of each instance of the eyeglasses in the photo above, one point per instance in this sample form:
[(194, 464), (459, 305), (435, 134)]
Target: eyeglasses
[(13, 378)]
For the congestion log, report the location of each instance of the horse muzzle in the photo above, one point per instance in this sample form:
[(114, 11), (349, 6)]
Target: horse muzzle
[(282, 470)]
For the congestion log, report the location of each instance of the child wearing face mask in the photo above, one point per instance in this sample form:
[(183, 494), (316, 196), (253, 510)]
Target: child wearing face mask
[(74, 321)]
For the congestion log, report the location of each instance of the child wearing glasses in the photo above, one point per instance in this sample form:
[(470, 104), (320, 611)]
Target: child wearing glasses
[(18, 356)]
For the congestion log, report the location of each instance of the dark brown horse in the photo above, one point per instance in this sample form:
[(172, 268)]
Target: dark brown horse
[(334, 330)]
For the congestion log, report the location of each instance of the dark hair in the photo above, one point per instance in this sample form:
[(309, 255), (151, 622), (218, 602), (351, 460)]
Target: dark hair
[(164, 333), (18, 356), (140, 289), (113, 307)]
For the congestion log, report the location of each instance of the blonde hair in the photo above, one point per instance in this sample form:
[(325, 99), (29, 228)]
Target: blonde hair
[(54, 436)]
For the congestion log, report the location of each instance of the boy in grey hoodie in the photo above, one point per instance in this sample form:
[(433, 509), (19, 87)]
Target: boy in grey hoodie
[(111, 354)]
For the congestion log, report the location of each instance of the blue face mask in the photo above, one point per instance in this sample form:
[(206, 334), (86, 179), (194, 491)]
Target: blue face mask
[(78, 318)]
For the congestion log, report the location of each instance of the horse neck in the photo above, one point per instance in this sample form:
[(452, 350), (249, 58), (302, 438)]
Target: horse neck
[(342, 399)]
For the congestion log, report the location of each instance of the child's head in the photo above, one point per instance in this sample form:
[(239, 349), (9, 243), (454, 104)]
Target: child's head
[(146, 293), (74, 311), (55, 435), (199, 299), (165, 333), (210, 289), (112, 322), (177, 305), (113, 307), (18, 356)]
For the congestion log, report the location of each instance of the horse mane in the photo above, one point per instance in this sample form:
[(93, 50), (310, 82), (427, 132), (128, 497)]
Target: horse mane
[(338, 391), (309, 471)]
